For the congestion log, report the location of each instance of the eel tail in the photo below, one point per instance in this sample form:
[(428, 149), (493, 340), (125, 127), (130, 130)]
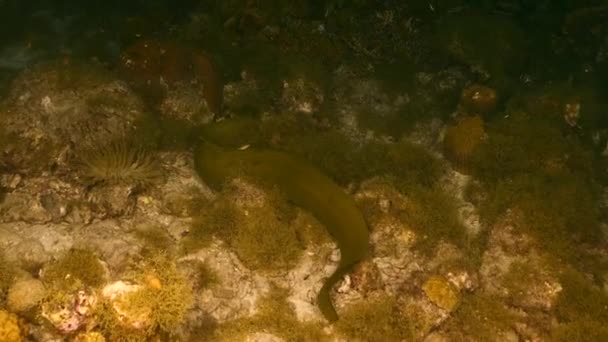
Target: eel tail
[(323, 298)]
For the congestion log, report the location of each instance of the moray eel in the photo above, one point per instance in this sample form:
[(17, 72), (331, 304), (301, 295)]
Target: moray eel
[(303, 185)]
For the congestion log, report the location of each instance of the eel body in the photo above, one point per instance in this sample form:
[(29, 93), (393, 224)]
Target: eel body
[(303, 185)]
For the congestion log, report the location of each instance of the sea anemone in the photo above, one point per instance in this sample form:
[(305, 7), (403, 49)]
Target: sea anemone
[(119, 162)]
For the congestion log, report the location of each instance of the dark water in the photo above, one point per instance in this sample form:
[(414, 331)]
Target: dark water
[(511, 95)]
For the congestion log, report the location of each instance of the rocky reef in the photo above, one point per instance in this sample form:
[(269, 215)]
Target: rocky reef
[(205, 183)]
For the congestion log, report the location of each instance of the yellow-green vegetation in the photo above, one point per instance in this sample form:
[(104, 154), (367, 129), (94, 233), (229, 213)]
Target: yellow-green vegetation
[(348, 161), (429, 212), (580, 305), (7, 276), (90, 336), (156, 240), (376, 319), (274, 315), (204, 276), (160, 304), (261, 234), (10, 331), (462, 140), (581, 331), (479, 317), (443, 294), (115, 330), (118, 162), (433, 215), (76, 265), (519, 278), (527, 163), (59, 302), (264, 238)]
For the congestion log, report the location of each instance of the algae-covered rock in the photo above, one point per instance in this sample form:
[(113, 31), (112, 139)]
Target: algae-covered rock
[(443, 294), (10, 330), (462, 140), (478, 99), (379, 318), (91, 336), (577, 105), (490, 44), (54, 107), (25, 294), (157, 298)]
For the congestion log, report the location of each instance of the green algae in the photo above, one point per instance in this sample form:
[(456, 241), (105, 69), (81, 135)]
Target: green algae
[(155, 240), (265, 237), (161, 303), (76, 265), (350, 161), (204, 276), (377, 319), (581, 300), (479, 317), (260, 238), (303, 185), (527, 163), (274, 315), (581, 331), (7, 275), (434, 218), (430, 212)]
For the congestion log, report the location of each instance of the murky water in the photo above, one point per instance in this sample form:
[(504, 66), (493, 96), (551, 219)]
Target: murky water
[(303, 171)]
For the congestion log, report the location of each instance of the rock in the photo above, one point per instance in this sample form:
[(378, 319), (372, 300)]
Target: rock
[(10, 330), (439, 291), (183, 102), (462, 140), (492, 45), (154, 67), (113, 200), (54, 107), (513, 269), (68, 310), (301, 95), (478, 99), (29, 254), (25, 294)]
